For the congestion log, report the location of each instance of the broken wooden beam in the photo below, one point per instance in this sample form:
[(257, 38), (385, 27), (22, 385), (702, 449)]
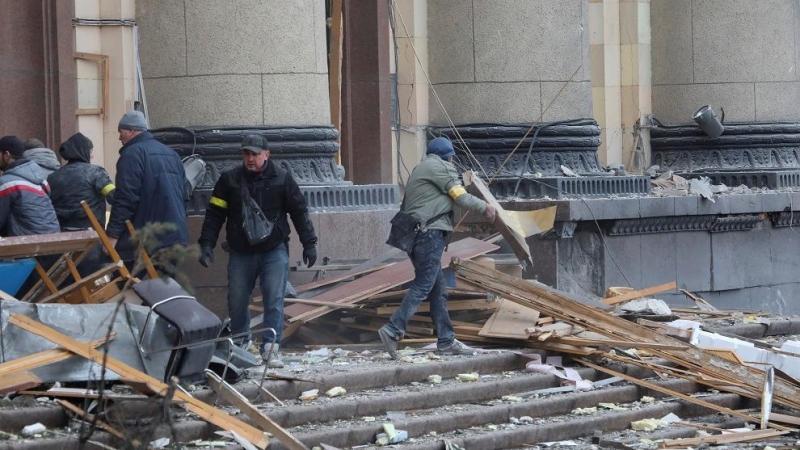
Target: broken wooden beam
[(18, 381), (213, 415), (640, 293), (235, 398)]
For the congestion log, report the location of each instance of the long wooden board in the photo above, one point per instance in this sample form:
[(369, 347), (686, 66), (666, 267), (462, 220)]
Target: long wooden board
[(392, 276), (510, 321), (561, 306), (235, 398), (213, 415), (18, 381), (43, 358), (47, 244), (640, 293)]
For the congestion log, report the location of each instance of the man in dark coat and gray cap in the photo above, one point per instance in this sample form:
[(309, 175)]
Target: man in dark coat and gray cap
[(25, 207), (150, 189)]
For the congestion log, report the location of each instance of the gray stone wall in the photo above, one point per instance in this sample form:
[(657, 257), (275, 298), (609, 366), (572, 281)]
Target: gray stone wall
[(246, 62), (740, 55), (505, 60)]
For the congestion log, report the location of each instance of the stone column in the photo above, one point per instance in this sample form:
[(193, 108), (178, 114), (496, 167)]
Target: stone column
[(366, 133), (740, 55), (248, 62), (411, 23), (505, 61), (620, 61)]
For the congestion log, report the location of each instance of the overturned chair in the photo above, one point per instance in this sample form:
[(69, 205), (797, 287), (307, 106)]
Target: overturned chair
[(194, 328)]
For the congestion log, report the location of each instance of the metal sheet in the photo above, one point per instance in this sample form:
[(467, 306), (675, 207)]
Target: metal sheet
[(85, 323)]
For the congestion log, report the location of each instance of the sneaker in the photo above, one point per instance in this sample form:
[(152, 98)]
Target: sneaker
[(457, 348), (273, 361), (388, 342), (244, 345)]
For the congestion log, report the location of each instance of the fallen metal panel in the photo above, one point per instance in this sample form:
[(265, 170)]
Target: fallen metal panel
[(84, 323)]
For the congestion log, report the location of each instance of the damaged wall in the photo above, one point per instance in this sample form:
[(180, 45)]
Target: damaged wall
[(740, 55)]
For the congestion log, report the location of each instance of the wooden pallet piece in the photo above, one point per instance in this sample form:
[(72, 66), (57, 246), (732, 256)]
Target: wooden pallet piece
[(561, 306), (747, 436), (209, 413), (617, 299), (18, 381), (44, 358), (509, 321), (235, 398)]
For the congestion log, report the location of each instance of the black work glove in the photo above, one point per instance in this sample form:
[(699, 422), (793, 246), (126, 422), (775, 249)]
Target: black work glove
[(309, 255), (206, 255)]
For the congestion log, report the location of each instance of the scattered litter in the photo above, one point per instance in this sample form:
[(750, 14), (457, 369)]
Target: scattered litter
[(647, 399), (434, 379), (467, 377), (584, 411), (568, 172), (670, 418), (647, 306), (368, 419), (159, 443), (647, 425), (612, 406), (511, 398)]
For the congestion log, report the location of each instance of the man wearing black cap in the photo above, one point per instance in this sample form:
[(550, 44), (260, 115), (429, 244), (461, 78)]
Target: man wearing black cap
[(276, 194), (25, 206), (431, 192), (150, 189)]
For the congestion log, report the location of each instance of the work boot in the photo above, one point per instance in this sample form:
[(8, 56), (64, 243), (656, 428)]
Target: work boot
[(457, 348), (271, 355), (388, 342)]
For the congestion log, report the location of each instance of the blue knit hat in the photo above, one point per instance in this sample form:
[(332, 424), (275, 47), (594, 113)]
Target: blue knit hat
[(442, 147)]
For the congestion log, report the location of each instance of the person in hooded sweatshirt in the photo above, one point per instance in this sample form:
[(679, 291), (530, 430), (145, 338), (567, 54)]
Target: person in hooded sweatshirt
[(80, 180), (77, 181), (36, 151), (25, 207)]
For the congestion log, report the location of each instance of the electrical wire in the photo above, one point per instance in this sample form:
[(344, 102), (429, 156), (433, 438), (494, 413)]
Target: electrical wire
[(396, 112), (605, 244)]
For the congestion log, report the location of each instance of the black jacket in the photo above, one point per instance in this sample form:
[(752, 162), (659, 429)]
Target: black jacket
[(79, 180), (151, 188), (275, 191)]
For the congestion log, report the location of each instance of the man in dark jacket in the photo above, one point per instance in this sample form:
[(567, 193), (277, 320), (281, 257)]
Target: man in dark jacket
[(78, 181), (25, 207), (276, 193), (150, 189)]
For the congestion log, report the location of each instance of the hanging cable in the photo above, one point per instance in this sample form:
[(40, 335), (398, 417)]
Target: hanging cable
[(396, 112)]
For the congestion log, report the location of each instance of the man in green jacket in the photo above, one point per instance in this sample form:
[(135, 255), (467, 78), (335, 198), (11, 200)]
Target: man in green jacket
[(432, 190)]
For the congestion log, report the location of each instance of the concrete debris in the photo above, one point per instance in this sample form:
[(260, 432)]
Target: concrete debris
[(435, 379), (338, 391), (33, 430), (584, 411), (671, 418), (309, 395), (652, 171), (652, 306), (647, 399), (158, 443), (702, 187)]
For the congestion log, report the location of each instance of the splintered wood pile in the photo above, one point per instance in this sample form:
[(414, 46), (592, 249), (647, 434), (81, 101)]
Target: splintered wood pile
[(489, 307)]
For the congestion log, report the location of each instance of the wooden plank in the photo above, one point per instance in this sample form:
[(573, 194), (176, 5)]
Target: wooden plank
[(393, 276), (90, 418), (321, 311), (44, 358), (511, 224), (46, 244), (681, 333), (235, 398), (6, 296), (452, 305), (670, 392), (204, 410), (84, 394), (640, 293), (747, 436), (510, 321), (82, 283), (561, 306), (148, 263), (335, 279), (18, 381), (578, 341)]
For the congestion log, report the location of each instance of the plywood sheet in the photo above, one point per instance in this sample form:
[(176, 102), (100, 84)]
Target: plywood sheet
[(510, 321)]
